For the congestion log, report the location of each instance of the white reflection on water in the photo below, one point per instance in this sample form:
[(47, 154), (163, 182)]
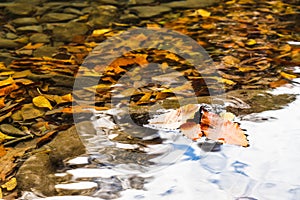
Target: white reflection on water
[(269, 169)]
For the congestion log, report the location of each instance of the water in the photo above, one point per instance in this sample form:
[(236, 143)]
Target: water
[(268, 169)]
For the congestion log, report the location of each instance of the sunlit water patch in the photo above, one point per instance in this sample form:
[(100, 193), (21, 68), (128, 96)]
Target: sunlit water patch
[(268, 169)]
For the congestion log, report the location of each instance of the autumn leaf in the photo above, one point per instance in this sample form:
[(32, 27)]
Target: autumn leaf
[(7, 81), (216, 128), (99, 32), (8, 89), (203, 13), (42, 102), (10, 185), (191, 130), (288, 76), (4, 137), (2, 102)]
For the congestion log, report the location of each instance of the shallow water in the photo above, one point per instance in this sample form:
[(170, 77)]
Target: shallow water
[(268, 169)]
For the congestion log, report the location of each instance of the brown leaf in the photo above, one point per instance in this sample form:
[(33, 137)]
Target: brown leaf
[(8, 89), (29, 111), (216, 128), (191, 130), (8, 163)]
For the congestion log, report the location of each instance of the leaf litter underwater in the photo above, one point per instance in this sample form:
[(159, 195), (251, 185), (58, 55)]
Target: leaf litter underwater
[(244, 60), (268, 169)]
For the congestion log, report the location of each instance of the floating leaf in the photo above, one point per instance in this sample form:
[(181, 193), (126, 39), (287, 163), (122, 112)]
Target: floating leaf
[(175, 118), (191, 130), (216, 128), (10, 185), (42, 102)]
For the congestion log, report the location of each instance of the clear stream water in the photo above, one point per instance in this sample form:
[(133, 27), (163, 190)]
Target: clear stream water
[(269, 169)]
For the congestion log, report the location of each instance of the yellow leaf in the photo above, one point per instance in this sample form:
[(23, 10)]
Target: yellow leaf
[(203, 13), (2, 66), (6, 73), (5, 137), (42, 102), (31, 46), (251, 42), (7, 81), (11, 184), (145, 98), (227, 115), (287, 76), (1, 195), (100, 31), (67, 98), (224, 80)]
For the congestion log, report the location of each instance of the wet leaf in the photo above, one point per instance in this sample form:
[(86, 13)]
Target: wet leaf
[(2, 151), (251, 42), (31, 46), (24, 81), (10, 185), (202, 12), (216, 128), (145, 98), (175, 118), (42, 102), (8, 89), (99, 32), (11, 130), (278, 83), (2, 102), (287, 76), (6, 115), (6, 73), (4, 137), (29, 111), (8, 161), (22, 74), (191, 130), (45, 138), (227, 116), (7, 81)]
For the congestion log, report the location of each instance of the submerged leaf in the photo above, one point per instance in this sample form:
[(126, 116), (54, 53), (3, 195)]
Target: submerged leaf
[(42, 102), (288, 76), (7, 81), (10, 185)]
